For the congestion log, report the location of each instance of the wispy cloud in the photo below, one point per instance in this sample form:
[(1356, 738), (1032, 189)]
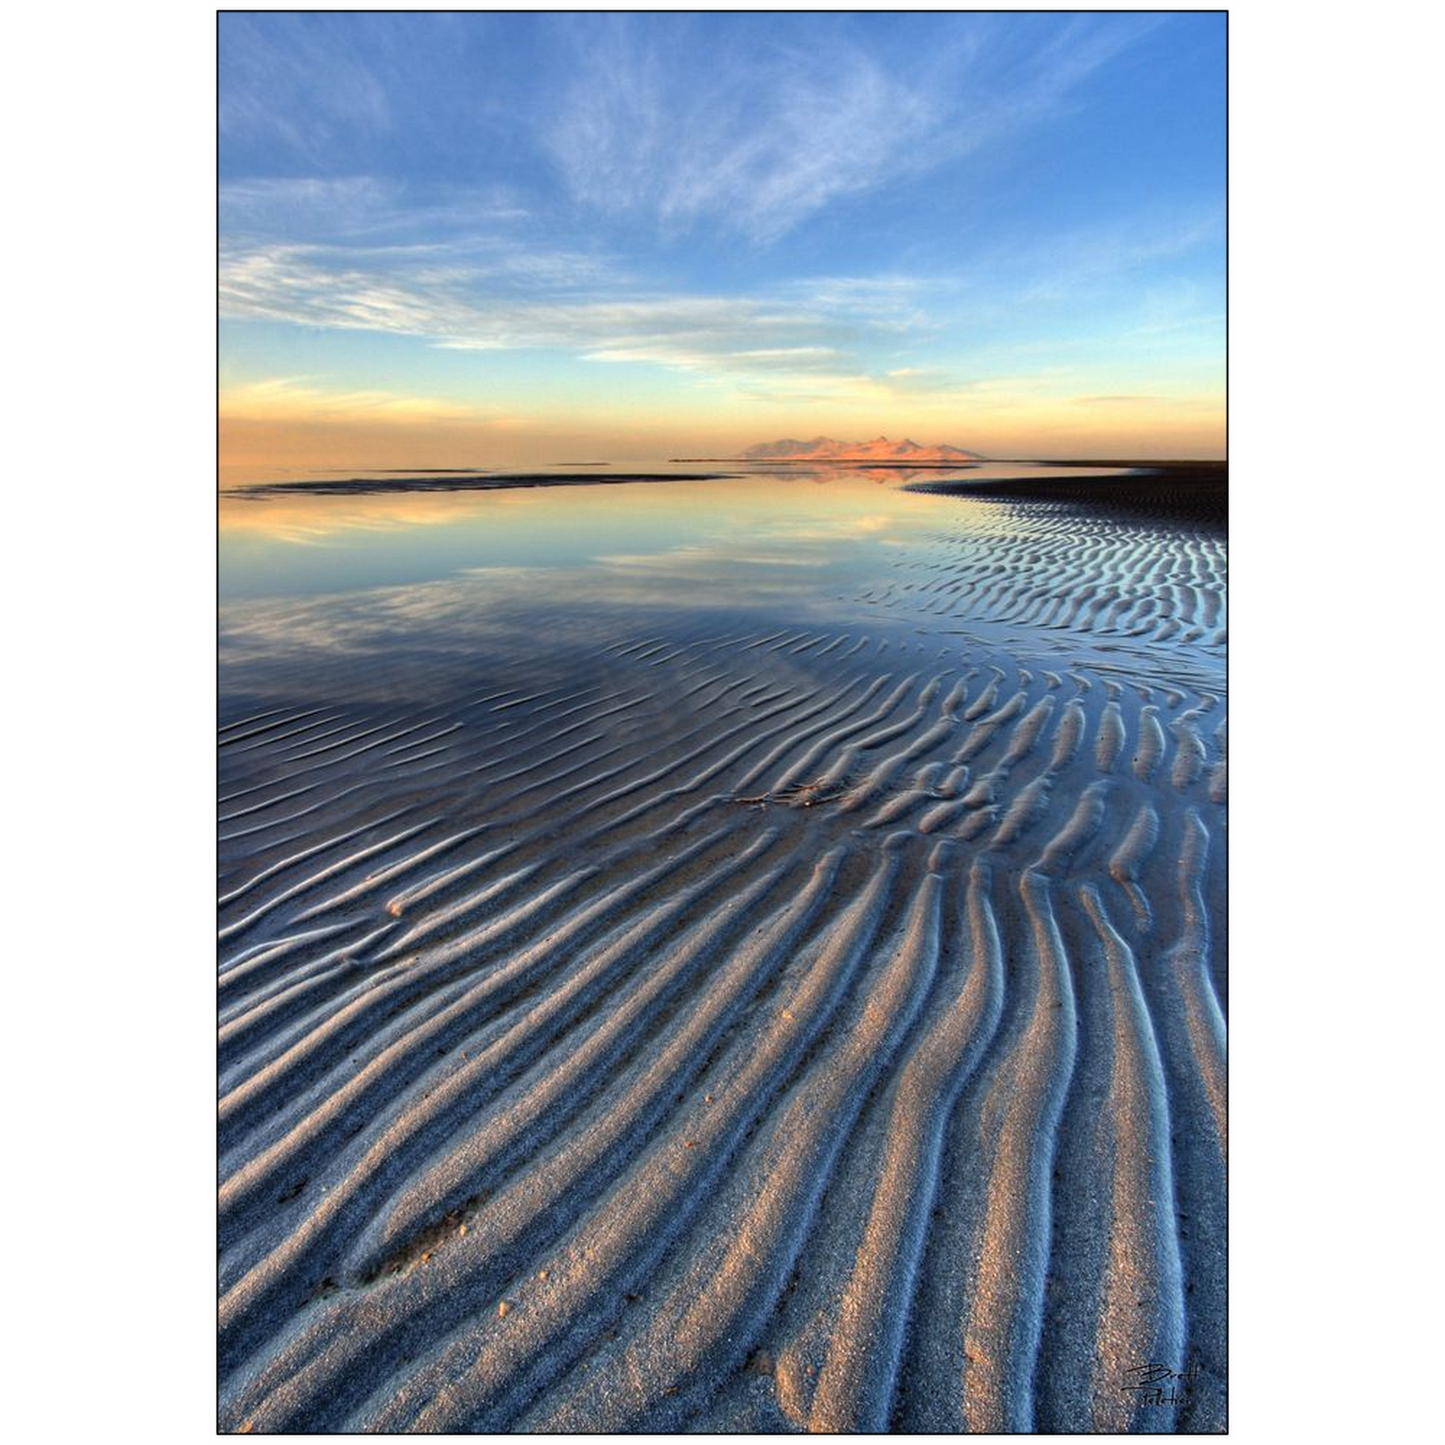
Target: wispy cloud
[(758, 141), (804, 342), (1063, 263), (1122, 400), (370, 211), (268, 82), (683, 125), (525, 299), (769, 130), (304, 397), (476, 300)]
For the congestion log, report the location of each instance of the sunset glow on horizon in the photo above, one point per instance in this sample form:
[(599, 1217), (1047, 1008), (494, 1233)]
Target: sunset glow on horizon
[(487, 239)]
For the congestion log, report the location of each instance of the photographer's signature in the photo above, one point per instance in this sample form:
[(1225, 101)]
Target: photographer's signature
[(1156, 1384)]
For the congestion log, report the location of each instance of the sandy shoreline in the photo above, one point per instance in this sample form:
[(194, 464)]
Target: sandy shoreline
[(747, 1028)]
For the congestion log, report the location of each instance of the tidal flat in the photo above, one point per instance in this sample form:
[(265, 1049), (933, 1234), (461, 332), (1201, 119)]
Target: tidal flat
[(740, 952)]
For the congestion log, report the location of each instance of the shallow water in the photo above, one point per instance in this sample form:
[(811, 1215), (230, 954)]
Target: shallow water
[(386, 575), (282, 543)]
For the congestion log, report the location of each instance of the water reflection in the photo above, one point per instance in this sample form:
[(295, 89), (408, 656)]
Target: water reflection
[(278, 543), (289, 544), (358, 591)]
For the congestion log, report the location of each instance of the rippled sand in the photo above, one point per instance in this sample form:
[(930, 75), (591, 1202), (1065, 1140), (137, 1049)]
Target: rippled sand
[(746, 1023)]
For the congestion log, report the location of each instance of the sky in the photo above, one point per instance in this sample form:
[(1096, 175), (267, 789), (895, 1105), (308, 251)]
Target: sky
[(463, 239)]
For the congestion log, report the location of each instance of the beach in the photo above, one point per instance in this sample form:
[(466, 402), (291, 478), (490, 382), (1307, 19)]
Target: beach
[(758, 967)]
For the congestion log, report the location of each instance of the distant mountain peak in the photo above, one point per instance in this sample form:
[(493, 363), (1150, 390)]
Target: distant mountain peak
[(879, 449)]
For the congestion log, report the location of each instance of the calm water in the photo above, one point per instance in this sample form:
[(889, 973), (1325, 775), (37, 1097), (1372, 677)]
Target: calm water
[(411, 592), (290, 544)]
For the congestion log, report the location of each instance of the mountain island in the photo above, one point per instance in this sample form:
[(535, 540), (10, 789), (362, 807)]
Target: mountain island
[(880, 449)]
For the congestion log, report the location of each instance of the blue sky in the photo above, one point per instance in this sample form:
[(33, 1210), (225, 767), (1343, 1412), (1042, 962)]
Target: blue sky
[(995, 229)]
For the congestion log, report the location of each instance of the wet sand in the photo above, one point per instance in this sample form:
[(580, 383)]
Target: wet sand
[(1195, 492), (746, 1023)]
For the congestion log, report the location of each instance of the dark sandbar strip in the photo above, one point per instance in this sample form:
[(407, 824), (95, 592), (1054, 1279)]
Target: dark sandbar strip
[(370, 486), (1193, 491)]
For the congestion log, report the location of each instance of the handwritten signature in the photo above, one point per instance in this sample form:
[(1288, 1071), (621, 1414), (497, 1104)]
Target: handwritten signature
[(1160, 1384)]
